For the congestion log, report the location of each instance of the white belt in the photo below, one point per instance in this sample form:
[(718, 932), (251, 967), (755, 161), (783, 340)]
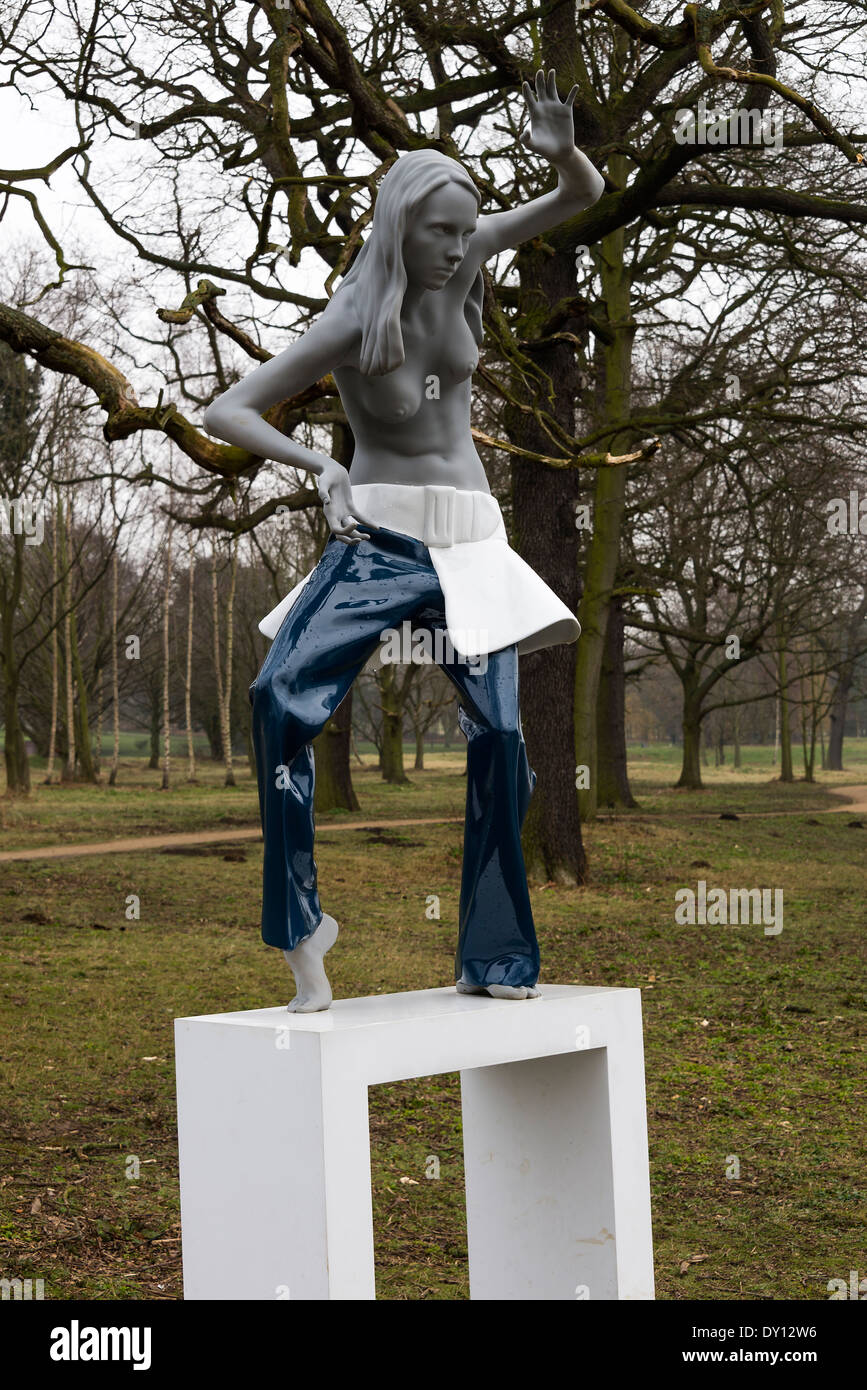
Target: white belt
[(430, 513)]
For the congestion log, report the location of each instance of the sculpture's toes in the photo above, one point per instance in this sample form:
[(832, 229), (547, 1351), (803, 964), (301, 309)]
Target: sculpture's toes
[(513, 991), (500, 991), (312, 1002)]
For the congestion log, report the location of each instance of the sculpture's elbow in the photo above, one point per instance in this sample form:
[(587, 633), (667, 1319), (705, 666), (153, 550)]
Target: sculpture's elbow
[(597, 189), (214, 419)]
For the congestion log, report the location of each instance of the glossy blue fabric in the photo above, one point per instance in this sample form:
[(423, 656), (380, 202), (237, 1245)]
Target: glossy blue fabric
[(328, 634)]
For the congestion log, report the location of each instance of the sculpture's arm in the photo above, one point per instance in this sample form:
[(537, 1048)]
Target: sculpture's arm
[(580, 185), (236, 416)]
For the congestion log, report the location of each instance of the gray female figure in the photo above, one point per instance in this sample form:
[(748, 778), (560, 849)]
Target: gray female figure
[(416, 537)]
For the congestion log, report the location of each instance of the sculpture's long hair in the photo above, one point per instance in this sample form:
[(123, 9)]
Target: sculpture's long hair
[(378, 271)]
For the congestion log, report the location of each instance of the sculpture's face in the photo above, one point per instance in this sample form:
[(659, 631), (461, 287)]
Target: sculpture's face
[(439, 234)]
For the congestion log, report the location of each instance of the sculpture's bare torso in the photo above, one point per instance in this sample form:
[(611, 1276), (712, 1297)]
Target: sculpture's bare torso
[(413, 425)]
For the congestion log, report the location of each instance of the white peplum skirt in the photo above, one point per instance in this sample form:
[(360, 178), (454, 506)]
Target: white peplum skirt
[(493, 599)]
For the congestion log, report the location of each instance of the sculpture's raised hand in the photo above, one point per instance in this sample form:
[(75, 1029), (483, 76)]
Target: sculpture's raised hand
[(552, 132)]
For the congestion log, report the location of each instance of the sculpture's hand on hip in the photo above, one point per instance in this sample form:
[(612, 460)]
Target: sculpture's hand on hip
[(341, 513)]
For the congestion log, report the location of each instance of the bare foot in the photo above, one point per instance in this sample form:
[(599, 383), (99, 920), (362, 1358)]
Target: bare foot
[(307, 962), (500, 991)]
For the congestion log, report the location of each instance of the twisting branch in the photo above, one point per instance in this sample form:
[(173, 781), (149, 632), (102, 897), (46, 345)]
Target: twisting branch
[(605, 460), (203, 297), (698, 17)]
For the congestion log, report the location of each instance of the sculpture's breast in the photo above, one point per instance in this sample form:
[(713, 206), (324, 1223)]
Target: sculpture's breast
[(395, 397), (458, 354)]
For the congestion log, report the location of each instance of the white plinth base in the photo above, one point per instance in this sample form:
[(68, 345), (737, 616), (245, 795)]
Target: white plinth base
[(275, 1144)]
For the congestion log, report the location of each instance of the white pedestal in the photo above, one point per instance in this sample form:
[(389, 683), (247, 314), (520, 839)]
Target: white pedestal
[(275, 1145)]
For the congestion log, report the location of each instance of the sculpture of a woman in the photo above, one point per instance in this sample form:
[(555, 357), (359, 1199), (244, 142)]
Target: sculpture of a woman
[(416, 535)]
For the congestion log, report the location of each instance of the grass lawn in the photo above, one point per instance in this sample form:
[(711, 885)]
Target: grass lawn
[(754, 1044)]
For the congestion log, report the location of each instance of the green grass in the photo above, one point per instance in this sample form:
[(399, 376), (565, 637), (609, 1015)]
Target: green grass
[(754, 1044), (76, 813)]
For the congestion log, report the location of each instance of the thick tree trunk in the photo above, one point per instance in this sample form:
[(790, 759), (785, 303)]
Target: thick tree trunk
[(544, 534), (333, 788), (418, 765), (15, 753), (391, 753), (690, 772), (603, 552), (612, 782), (839, 705)]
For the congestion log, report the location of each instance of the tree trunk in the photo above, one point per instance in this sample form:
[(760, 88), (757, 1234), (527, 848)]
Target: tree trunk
[(68, 773), (97, 747), (188, 675), (167, 725), (737, 738), (418, 765), (603, 552), (230, 647), (115, 679), (55, 655), (333, 789), (544, 534), (612, 783), (690, 772), (787, 772), (85, 756), (15, 754), (155, 729), (391, 753), (224, 688), (839, 704)]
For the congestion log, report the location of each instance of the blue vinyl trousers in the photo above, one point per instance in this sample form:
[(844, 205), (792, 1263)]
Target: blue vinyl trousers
[(333, 627)]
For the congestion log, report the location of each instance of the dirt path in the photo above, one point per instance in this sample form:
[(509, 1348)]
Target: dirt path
[(200, 837), (856, 802)]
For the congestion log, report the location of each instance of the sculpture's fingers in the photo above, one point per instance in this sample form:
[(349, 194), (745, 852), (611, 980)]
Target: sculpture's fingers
[(552, 83), (540, 84), (368, 520), (572, 95), (351, 520), (528, 94), (346, 530)]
